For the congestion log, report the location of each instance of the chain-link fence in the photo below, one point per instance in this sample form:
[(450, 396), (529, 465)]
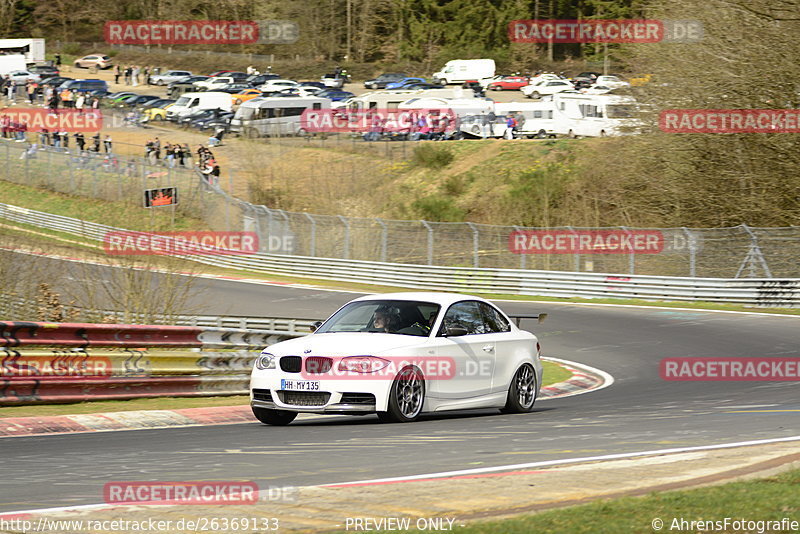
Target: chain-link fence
[(733, 252)]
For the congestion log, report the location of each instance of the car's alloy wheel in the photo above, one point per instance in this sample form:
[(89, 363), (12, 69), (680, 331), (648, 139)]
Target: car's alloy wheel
[(522, 392), (406, 397), (274, 417), (536, 95)]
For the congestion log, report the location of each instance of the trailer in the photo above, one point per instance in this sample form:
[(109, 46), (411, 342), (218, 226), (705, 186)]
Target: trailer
[(32, 49)]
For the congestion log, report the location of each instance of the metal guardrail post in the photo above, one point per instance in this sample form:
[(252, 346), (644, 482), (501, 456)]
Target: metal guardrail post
[(346, 224), (430, 241), (313, 244), (754, 255), (384, 239), (475, 244)]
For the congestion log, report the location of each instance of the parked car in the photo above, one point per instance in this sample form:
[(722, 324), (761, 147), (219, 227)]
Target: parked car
[(385, 78), (614, 82), (158, 113), (509, 83), (214, 83), (136, 100), (335, 95), (94, 60), (301, 90), (188, 119), (476, 87), (400, 355), (277, 85), (585, 79), (169, 77), (21, 77), (45, 71), (420, 85), (245, 95), (547, 87), (318, 85), (233, 88), (219, 73), (159, 102), (84, 86), (334, 81), (213, 123), (115, 98), (259, 79), (189, 79), (55, 81), (397, 84), (595, 90)]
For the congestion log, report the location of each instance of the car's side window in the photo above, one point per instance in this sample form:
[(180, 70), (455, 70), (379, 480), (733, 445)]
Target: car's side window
[(495, 322), (466, 314)]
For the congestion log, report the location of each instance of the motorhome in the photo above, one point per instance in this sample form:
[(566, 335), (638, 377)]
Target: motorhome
[(386, 100), (190, 102), (582, 115), (462, 70), (11, 63), (274, 116)]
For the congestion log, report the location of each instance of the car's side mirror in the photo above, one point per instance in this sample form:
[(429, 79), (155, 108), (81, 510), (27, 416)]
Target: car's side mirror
[(455, 330), (315, 326)]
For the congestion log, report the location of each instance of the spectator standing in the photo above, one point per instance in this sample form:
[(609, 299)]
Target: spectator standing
[(96, 142), (511, 124), (135, 75), (80, 141), (157, 149), (107, 144), (58, 60), (79, 103), (146, 75), (117, 73)]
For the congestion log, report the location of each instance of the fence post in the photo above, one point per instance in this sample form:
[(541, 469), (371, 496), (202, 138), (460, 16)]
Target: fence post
[(631, 256), (346, 223), (692, 252), (475, 244), (384, 239), (523, 258), (430, 241), (313, 244), (576, 257)]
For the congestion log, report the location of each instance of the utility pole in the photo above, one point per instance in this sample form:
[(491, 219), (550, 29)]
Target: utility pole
[(349, 31)]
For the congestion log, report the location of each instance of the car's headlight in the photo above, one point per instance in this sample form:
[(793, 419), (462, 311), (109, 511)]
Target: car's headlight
[(265, 361)]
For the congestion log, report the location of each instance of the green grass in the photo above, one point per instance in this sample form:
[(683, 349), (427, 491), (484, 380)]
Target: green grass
[(766, 499), (121, 214), (552, 373)]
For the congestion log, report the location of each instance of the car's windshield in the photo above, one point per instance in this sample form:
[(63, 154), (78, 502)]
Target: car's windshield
[(384, 316)]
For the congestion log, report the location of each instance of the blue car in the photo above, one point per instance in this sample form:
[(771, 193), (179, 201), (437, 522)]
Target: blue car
[(399, 83), (335, 95)]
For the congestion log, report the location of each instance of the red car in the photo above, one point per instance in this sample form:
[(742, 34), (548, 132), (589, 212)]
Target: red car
[(509, 83), (219, 73)]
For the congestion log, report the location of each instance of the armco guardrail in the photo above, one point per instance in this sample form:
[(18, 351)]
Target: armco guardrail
[(71, 362), (784, 292)]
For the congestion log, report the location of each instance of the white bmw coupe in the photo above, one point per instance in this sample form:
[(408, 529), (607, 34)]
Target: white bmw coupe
[(400, 355)]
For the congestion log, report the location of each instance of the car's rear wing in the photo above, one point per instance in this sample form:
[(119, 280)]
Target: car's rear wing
[(518, 317)]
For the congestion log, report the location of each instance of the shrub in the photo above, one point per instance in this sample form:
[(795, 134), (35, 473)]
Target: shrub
[(432, 156)]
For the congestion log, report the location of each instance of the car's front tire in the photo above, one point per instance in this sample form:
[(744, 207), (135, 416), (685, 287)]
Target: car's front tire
[(406, 397), (274, 417), (522, 391)]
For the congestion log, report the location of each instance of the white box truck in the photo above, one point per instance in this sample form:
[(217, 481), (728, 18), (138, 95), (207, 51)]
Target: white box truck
[(461, 70), (11, 63), (31, 49)]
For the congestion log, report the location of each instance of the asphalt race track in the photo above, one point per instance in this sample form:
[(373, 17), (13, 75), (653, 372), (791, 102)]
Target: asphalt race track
[(639, 412)]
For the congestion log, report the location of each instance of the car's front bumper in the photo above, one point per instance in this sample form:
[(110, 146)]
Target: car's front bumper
[(336, 395)]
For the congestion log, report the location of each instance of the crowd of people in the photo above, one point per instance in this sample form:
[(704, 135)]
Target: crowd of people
[(169, 154), (208, 165)]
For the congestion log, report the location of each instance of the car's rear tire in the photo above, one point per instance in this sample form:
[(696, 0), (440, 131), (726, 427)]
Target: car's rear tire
[(273, 417), (536, 95), (522, 391), (406, 397)]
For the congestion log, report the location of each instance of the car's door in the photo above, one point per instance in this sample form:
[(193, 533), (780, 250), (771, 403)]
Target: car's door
[(506, 345), (472, 354)]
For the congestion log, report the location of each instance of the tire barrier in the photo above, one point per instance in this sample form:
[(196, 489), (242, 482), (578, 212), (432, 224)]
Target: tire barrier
[(85, 362)]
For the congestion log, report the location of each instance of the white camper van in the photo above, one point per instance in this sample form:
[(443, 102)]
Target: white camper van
[(274, 116), (190, 102), (461, 70), (11, 63), (583, 115), (392, 99)]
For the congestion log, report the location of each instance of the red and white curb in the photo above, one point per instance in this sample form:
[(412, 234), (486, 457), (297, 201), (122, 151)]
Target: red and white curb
[(584, 380)]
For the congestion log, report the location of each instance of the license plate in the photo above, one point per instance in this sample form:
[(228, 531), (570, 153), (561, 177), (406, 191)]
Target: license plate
[(300, 385)]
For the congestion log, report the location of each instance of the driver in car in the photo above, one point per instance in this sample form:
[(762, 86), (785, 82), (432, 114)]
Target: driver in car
[(387, 319)]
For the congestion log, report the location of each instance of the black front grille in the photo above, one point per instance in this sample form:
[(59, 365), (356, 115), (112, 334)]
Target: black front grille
[(262, 394), (357, 398), (304, 398), (291, 364), (317, 365)]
